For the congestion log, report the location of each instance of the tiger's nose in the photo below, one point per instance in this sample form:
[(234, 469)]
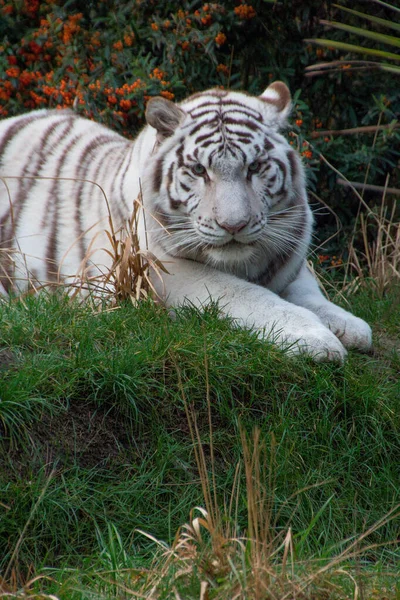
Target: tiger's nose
[(233, 227)]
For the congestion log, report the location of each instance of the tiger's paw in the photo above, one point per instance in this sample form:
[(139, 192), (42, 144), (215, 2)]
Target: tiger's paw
[(319, 343), (352, 331)]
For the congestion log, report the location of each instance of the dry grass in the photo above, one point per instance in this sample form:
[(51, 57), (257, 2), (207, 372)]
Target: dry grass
[(129, 266), (381, 253), (375, 259), (378, 261), (260, 562), (130, 271), (8, 591)]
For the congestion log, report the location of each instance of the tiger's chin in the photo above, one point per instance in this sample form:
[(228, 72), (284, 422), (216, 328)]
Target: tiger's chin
[(233, 253)]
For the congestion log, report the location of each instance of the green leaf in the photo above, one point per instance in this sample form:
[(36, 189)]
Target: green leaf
[(353, 48), (302, 535), (377, 20), (373, 35), (390, 68), (387, 5)]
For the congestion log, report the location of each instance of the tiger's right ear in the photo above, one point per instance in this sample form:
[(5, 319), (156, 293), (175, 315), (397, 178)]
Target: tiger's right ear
[(163, 115)]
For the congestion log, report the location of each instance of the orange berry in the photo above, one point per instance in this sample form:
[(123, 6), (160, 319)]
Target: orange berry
[(220, 39), (12, 72), (223, 69), (245, 11), (167, 94), (128, 40), (125, 104)]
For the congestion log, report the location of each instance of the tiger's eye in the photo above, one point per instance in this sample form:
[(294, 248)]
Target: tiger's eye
[(254, 166), (198, 169)]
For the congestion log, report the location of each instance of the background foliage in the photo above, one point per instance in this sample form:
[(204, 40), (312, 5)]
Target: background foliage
[(110, 57)]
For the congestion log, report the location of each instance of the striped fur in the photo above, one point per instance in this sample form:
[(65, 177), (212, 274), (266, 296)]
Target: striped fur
[(224, 198)]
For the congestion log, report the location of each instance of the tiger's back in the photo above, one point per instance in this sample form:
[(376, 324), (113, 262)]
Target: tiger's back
[(58, 171)]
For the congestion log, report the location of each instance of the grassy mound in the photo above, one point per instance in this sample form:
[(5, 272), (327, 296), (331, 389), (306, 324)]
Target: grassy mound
[(96, 445)]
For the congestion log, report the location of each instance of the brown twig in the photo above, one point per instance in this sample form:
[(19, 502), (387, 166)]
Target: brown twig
[(340, 63), (342, 70), (369, 187), (353, 130)]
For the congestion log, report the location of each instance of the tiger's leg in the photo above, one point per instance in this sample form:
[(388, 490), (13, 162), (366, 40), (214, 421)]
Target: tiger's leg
[(252, 306), (304, 291)]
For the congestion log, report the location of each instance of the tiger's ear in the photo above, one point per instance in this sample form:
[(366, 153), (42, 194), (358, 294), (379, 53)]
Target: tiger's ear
[(163, 115), (278, 99)]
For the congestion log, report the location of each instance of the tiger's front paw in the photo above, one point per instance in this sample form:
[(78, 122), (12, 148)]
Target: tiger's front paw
[(317, 342), (352, 331)]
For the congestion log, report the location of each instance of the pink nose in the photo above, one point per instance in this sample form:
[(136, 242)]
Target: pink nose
[(232, 227)]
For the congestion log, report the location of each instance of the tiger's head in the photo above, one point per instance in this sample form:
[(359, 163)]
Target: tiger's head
[(223, 182)]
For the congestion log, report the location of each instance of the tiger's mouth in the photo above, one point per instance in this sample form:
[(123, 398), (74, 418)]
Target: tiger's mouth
[(237, 244)]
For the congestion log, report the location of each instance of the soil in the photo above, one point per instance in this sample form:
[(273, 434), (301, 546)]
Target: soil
[(7, 359), (85, 436)]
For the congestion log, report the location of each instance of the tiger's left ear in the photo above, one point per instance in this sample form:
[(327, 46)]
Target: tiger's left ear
[(163, 115), (277, 97)]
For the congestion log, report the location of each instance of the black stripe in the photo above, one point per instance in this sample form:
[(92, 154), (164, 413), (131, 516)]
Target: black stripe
[(179, 153), (294, 167), (239, 148), (249, 124), (284, 172), (198, 126), (206, 144), (244, 141), (81, 173), (268, 146), (55, 200), (158, 173), (18, 126), (241, 134), (205, 136)]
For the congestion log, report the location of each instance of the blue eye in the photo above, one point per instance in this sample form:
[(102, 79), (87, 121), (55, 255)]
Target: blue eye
[(198, 169), (254, 166)]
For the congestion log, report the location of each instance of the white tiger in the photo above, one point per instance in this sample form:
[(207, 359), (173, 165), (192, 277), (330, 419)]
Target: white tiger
[(224, 198)]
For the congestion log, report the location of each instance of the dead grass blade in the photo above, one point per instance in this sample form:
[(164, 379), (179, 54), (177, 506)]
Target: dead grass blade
[(129, 274), (258, 563), (130, 270), (377, 259)]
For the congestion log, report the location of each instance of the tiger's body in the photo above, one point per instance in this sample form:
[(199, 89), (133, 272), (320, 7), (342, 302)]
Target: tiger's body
[(224, 198)]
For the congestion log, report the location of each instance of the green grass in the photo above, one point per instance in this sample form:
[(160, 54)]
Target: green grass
[(94, 399)]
